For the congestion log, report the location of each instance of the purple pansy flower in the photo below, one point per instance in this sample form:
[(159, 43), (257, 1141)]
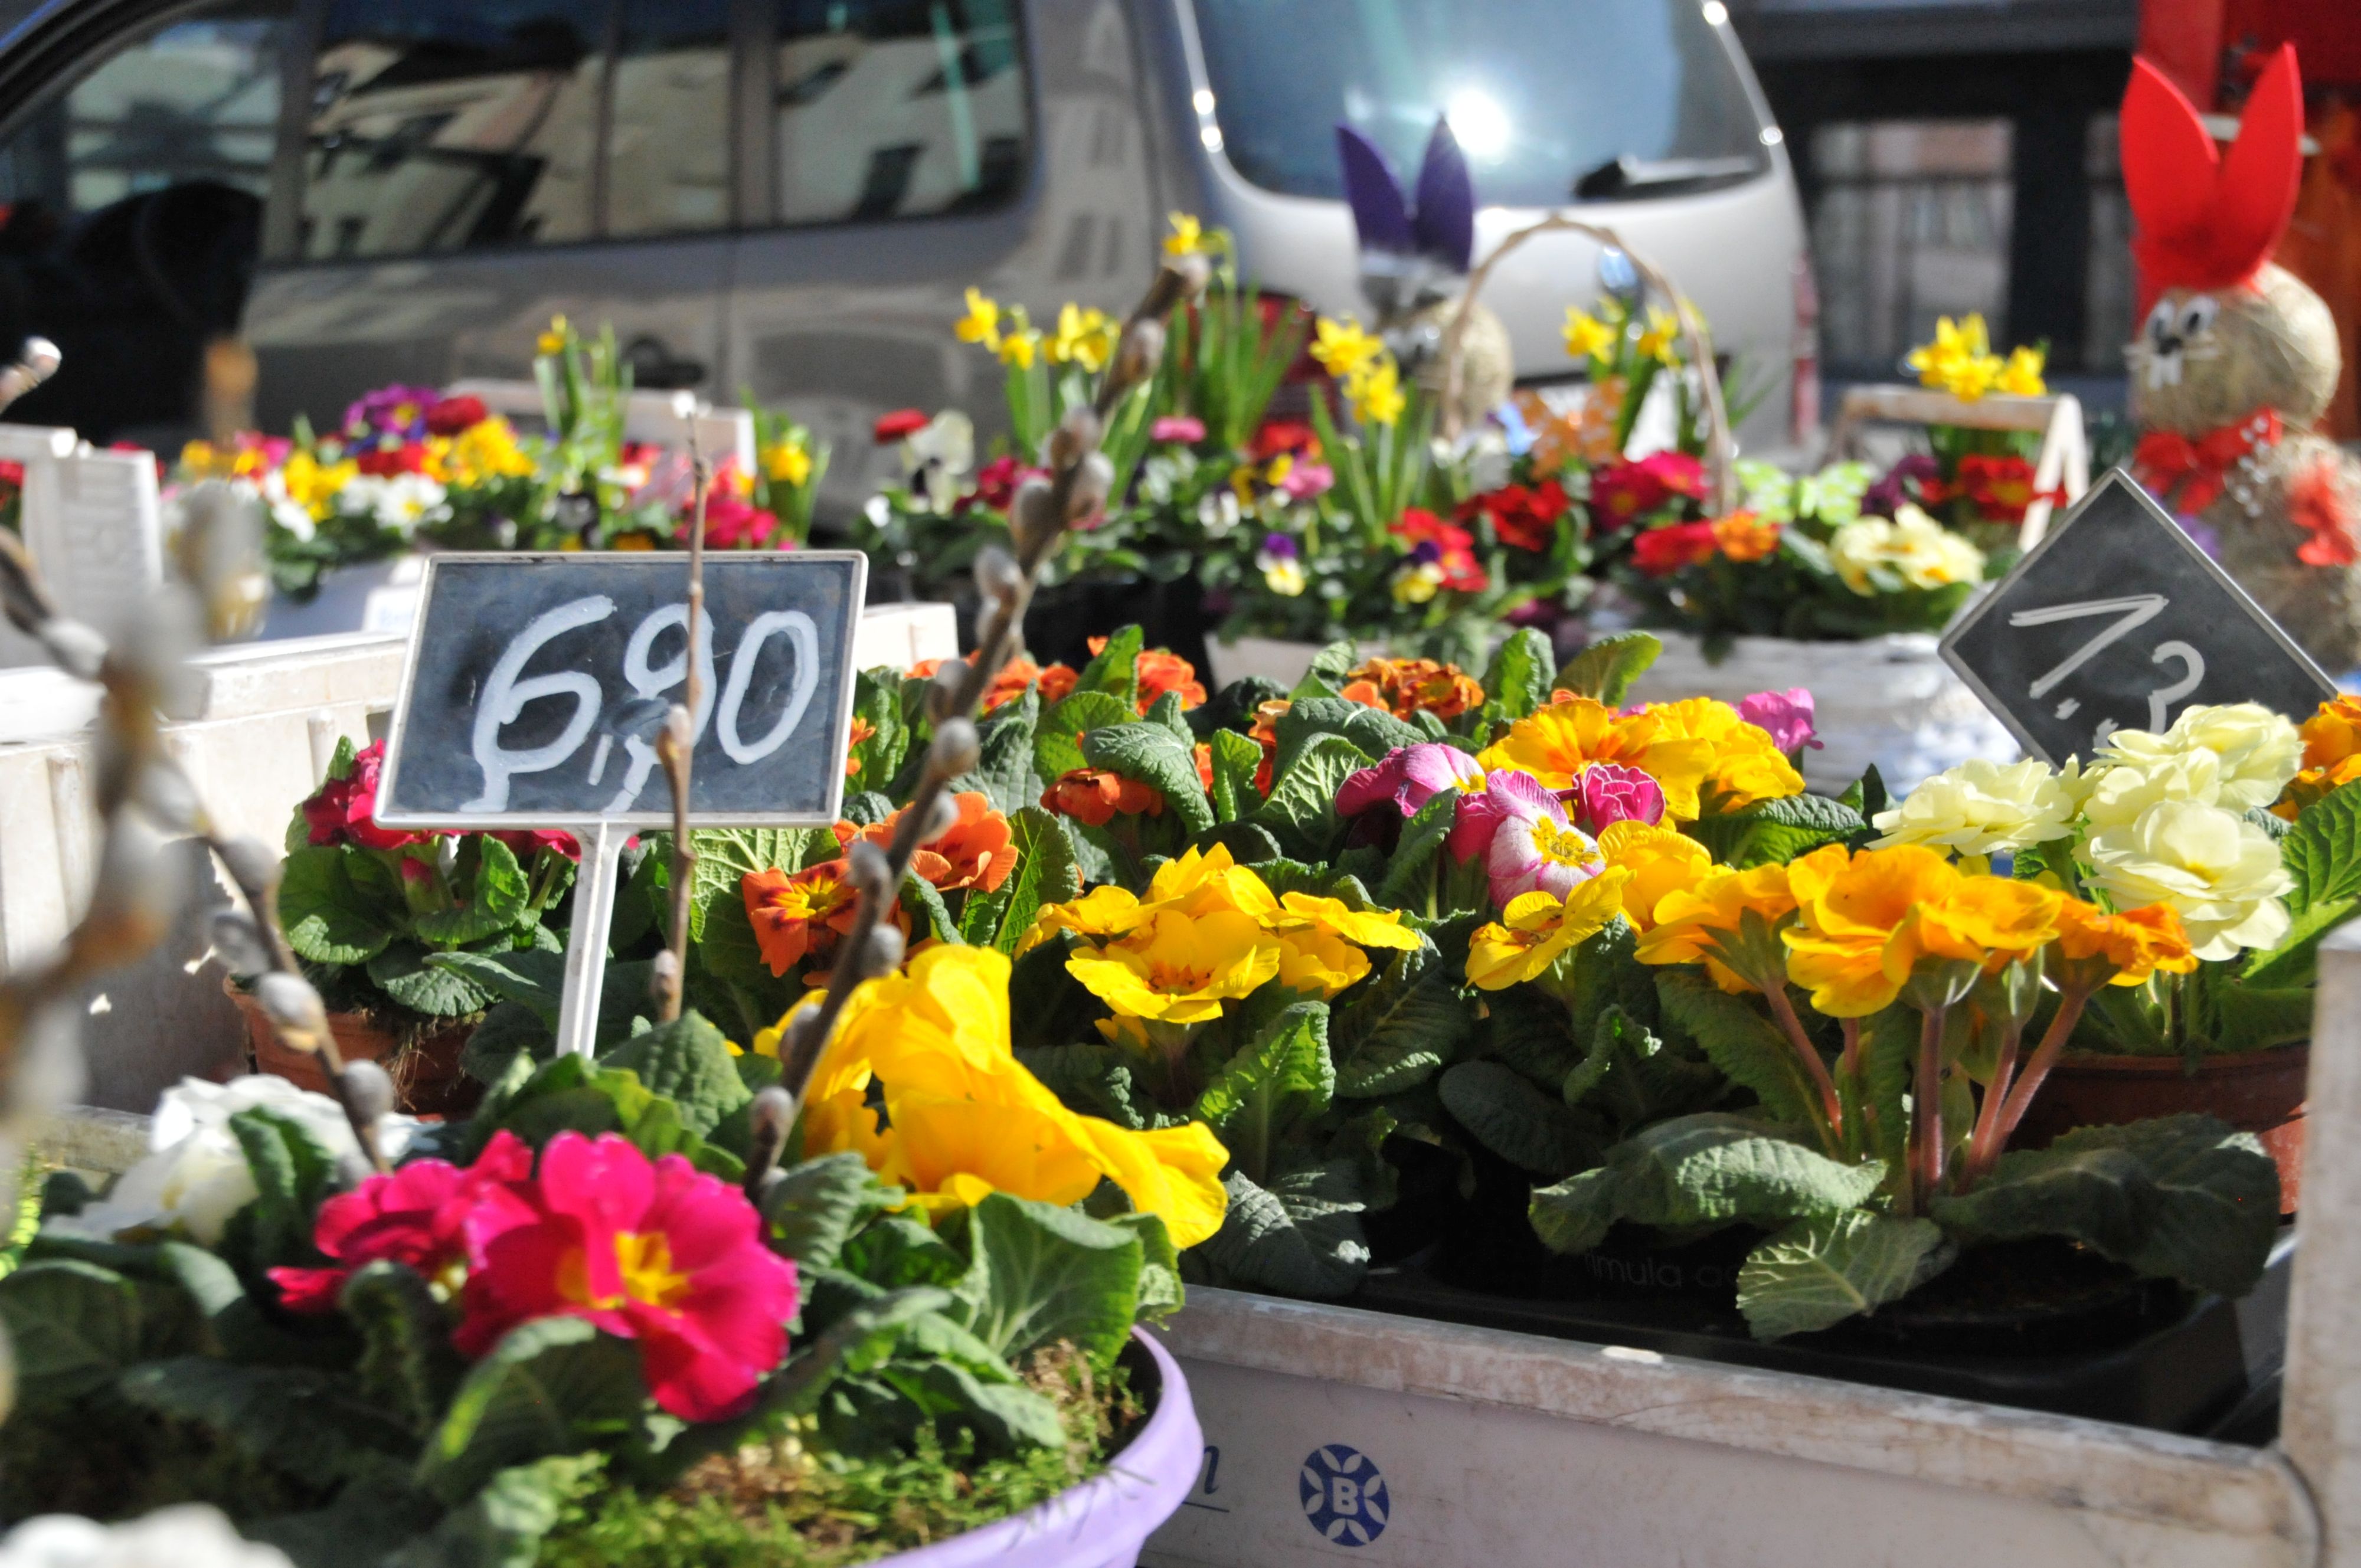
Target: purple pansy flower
[(1787, 715), (1410, 776), (393, 411)]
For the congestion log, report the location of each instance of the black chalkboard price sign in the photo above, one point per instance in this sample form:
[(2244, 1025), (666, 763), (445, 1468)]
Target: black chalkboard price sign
[(536, 683), (2118, 620)]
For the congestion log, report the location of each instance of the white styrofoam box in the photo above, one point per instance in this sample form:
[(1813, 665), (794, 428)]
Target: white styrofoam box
[(263, 721), (376, 596), (90, 520), (1889, 700), (1275, 658), (1335, 1435), (903, 634)]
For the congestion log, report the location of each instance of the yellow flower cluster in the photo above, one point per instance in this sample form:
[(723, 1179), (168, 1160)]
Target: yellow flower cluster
[(1960, 362), (1018, 344), (1699, 751), (786, 461), (1190, 237), (964, 1118), (1211, 931), (1911, 545), (314, 485), (1361, 361), (485, 451)]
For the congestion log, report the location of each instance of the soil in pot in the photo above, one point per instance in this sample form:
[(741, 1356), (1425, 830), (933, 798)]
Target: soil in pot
[(424, 1066), (2260, 1092)]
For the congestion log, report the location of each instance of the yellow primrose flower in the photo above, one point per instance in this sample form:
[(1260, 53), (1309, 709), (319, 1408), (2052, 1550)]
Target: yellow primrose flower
[(1701, 923), (487, 450), (2021, 377), (1174, 1173), (2222, 874), (1558, 740), (552, 341), (1375, 392), (1587, 338), (954, 1153), (1180, 969), (1656, 342), (1747, 767), (787, 462), (1202, 881), (1923, 552), (1535, 930), (1342, 347), (1662, 860), (981, 322), (1188, 236), (314, 485), (1320, 941), (1103, 912)]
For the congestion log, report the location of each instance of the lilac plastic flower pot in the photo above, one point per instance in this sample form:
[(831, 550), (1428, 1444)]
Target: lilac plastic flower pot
[(1102, 1522)]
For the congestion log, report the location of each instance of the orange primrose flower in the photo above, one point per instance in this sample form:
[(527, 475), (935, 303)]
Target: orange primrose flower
[(861, 730), (1404, 687), (976, 851), (1094, 796), (799, 914)]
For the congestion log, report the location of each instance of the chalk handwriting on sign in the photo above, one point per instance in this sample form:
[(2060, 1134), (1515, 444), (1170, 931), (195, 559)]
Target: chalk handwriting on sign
[(2115, 620), (536, 685)]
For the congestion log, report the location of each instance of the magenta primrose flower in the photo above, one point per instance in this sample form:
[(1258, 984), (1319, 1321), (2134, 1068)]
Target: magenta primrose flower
[(1306, 480), (1527, 839), (1787, 715), (1177, 427), (1410, 776), (1612, 792)]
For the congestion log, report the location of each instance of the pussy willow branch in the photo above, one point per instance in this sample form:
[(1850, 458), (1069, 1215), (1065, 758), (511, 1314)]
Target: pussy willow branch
[(1695, 336), (1040, 517), (677, 744), (141, 787)]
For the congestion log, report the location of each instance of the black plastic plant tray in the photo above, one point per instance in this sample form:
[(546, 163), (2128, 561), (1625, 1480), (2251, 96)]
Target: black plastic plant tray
[(2201, 1367)]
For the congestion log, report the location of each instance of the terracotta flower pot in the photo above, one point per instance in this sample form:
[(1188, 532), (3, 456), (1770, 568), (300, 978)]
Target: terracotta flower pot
[(426, 1077), (2256, 1091)]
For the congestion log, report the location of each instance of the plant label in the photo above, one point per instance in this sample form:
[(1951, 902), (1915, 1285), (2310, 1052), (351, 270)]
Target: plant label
[(537, 682), (2118, 620)]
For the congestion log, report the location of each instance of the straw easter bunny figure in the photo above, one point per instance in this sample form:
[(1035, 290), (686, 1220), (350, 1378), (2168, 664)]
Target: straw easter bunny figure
[(2235, 359)]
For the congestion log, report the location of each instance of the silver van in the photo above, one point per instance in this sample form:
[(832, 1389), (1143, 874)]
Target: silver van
[(788, 197)]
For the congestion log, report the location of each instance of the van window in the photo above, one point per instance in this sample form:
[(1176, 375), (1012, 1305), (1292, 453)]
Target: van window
[(196, 101), (897, 108), (1539, 92), (668, 141), (445, 125)]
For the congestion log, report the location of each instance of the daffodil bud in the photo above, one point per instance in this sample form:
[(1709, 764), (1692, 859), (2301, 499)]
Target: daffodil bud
[(369, 1093), (956, 749)]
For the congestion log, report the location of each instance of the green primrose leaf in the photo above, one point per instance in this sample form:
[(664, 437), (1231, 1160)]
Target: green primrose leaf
[(1820, 1271), (327, 919), (1605, 670), (1521, 674)]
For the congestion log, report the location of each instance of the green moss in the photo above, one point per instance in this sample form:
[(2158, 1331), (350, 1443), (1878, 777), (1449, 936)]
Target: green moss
[(780, 1505)]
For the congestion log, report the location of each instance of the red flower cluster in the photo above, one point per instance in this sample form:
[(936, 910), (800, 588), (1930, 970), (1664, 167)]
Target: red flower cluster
[(1290, 435), (997, 482), (1661, 552), (1451, 547), (897, 425), (650, 1251), (453, 415), (1624, 493), (344, 811), (1524, 516), (1999, 487)]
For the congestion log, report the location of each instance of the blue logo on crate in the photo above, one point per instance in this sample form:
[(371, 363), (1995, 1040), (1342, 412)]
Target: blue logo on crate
[(1343, 1496)]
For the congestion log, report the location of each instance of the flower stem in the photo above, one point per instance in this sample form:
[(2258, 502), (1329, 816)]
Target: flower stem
[(1983, 1144), (2071, 1002), (1831, 1107), (1927, 1108)]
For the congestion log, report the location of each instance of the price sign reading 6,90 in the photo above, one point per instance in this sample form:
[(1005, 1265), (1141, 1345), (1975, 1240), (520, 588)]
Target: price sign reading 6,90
[(2117, 621), (536, 684)]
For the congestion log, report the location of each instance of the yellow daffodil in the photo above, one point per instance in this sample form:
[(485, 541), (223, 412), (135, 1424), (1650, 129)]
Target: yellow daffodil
[(1342, 347), (1375, 392), (1188, 236), (1587, 338), (1084, 337), (2021, 377), (552, 341), (1180, 969), (981, 322), (1663, 329), (787, 462), (1662, 862), (1535, 930)]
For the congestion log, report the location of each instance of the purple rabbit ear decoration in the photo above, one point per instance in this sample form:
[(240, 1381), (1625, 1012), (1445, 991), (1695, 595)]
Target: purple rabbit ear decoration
[(1442, 229)]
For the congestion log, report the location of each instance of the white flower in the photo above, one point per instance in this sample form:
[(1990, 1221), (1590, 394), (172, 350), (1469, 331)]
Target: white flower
[(2258, 751), (396, 503), (195, 1174), (2219, 872), (938, 455), (2122, 792), (1217, 511), (1922, 551), (189, 1536), (1981, 808)]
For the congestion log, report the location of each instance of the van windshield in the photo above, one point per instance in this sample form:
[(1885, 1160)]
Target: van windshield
[(1540, 91)]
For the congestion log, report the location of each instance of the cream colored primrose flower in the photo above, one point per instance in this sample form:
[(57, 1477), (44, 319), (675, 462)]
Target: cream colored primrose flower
[(2259, 751), (1922, 552), (1981, 808), (2217, 871)]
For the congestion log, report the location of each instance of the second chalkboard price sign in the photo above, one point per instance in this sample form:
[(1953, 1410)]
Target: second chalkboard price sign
[(536, 684), (2118, 620)]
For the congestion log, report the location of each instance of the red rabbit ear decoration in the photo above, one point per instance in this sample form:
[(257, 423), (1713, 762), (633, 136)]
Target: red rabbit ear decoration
[(2208, 222)]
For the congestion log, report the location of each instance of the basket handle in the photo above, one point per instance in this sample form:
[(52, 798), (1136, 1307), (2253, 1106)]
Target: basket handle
[(1722, 485)]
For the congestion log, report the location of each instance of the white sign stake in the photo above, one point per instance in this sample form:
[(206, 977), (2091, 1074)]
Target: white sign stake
[(585, 940)]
